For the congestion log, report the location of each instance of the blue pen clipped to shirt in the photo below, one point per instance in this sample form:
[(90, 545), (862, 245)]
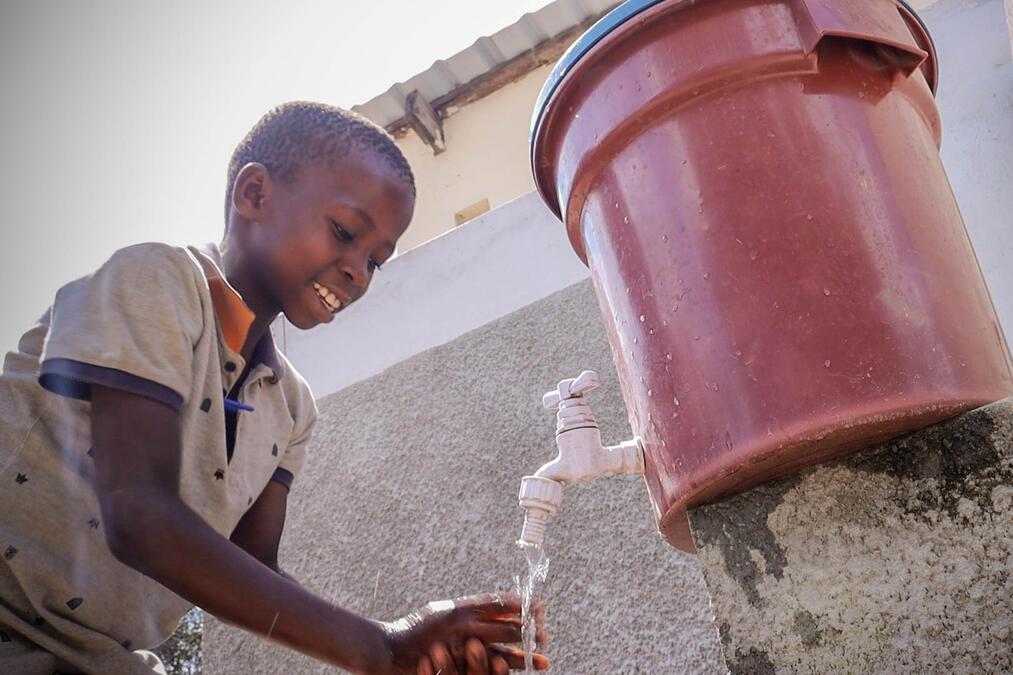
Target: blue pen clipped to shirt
[(236, 406)]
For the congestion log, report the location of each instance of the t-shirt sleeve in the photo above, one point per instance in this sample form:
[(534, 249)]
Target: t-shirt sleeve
[(294, 458), (132, 325)]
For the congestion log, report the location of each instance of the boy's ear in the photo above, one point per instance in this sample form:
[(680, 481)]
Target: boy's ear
[(252, 187)]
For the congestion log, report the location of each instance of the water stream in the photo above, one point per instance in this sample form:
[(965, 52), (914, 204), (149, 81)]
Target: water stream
[(538, 567)]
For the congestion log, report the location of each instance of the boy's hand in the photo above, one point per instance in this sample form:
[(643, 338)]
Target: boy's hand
[(467, 635)]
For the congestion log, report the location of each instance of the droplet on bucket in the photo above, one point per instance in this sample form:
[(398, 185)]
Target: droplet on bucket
[(664, 237), (752, 255), (714, 386), (809, 216), (675, 400), (626, 219), (826, 364), (706, 275), (668, 356), (642, 317), (826, 291), (650, 332), (650, 393), (635, 339)]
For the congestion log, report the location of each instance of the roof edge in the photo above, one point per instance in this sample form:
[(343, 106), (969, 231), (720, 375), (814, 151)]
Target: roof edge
[(543, 53)]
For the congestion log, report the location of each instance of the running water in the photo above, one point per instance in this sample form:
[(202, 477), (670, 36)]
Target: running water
[(538, 567)]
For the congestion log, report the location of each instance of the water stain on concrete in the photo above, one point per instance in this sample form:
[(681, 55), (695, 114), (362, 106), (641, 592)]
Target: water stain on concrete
[(807, 628), (753, 662), (938, 478), (740, 531)]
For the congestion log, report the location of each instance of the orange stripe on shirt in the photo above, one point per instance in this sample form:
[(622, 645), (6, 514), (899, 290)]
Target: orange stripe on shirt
[(234, 317)]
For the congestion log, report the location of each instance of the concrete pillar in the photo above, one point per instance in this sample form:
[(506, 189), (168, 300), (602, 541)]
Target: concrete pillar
[(895, 559)]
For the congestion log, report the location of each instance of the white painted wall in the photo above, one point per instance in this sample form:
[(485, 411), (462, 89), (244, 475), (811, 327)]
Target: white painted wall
[(486, 157), (976, 101), (518, 253)]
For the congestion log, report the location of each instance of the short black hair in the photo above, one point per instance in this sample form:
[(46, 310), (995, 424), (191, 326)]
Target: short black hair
[(303, 133)]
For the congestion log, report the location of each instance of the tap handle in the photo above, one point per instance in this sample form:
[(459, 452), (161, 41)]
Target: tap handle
[(570, 388)]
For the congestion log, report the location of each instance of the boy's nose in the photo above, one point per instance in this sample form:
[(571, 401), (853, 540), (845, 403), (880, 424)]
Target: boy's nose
[(356, 273)]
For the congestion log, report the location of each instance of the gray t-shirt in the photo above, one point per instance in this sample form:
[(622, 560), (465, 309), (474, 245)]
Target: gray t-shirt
[(162, 322)]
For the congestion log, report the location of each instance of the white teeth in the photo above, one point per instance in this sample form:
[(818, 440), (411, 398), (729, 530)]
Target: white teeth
[(330, 300)]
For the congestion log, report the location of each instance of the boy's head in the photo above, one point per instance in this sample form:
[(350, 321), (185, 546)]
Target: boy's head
[(317, 198)]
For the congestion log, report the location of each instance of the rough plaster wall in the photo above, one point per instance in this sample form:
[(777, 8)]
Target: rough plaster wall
[(896, 559), (411, 492)]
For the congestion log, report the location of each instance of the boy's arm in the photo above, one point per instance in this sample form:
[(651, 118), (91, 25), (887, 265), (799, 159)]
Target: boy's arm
[(259, 531), (137, 454), (136, 444)]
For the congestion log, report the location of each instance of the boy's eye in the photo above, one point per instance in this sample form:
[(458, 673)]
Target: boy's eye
[(341, 232)]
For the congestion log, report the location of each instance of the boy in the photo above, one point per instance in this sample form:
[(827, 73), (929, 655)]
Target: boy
[(150, 431)]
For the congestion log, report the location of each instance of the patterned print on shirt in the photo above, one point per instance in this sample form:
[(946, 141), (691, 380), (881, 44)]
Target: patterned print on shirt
[(74, 603), (21, 479), (10, 553), (93, 523), (205, 405), (220, 474), (274, 450)]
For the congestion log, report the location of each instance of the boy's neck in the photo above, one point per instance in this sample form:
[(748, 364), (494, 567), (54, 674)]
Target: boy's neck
[(239, 277)]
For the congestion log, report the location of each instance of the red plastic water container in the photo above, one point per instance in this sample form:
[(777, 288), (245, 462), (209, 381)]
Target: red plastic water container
[(781, 266)]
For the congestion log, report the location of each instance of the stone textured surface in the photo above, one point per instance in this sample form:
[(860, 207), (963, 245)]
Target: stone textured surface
[(410, 495), (896, 559)]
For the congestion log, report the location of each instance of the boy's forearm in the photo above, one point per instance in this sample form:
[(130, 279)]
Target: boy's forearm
[(180, 551)]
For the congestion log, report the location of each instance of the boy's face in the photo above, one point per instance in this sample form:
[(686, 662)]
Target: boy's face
[(318, 238)]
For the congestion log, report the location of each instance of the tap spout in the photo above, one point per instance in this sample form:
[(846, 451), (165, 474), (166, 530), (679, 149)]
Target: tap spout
[(581, 458)]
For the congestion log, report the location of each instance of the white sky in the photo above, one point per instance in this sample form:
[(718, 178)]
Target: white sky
[(118, 117)]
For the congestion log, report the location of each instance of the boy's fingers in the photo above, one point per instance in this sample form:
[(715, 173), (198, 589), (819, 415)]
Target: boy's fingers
[(476, 657), (492, 605), (500, 666), (441, 659), (494, 631), (457, 653), (515, 657), (541, 634), (424, 666)]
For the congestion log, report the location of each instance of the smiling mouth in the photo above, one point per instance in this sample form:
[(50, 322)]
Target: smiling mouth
[(329, 300)]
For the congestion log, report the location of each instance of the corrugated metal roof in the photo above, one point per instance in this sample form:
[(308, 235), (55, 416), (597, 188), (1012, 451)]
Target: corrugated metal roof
[(485, 55)]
